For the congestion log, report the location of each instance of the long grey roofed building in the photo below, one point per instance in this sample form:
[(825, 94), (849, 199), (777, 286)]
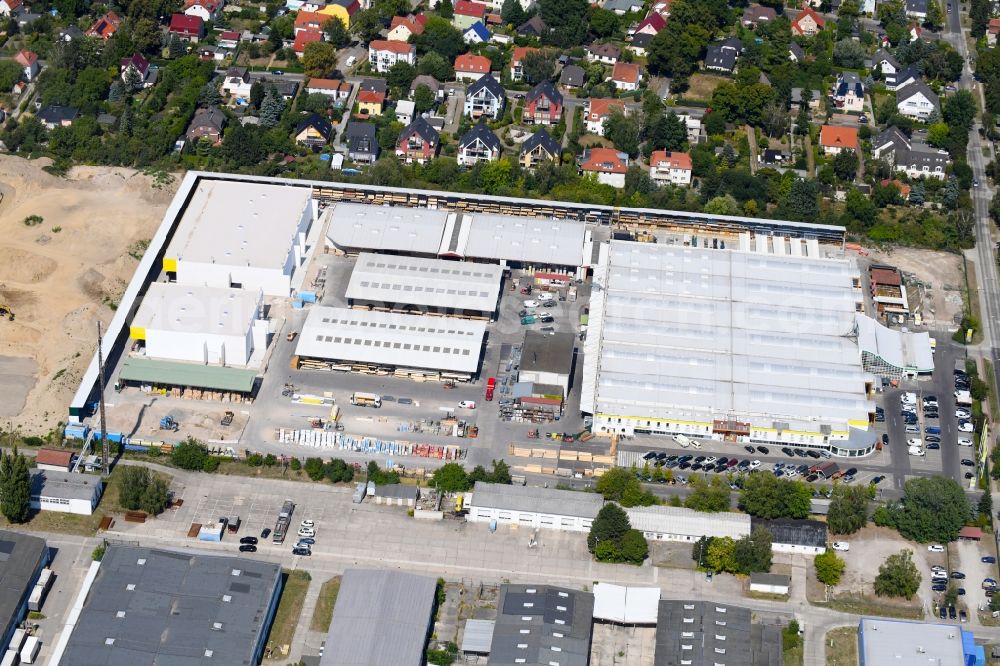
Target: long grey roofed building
[(166, 608), (389, 339), (428, 283), (885, 641), (535, 499), (682, 339), (705, 633), (386, 228), (382, 618), (22, 558), (541, 625)]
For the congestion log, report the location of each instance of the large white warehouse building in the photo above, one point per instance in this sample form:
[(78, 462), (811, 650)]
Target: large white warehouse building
[(209, 325), (727, 344), (244, 235)]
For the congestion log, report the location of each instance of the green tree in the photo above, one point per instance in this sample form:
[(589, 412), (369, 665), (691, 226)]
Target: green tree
[(189, 454), (985, 506), (434, 64), (603, 23), (845, 165), (720, 555), (423, 99), (767, 496), (724, 205), (366, 25), (401, 75), (446, 9), (337, 33), (620, 485), (242, 146), (848, 53), (634, 548), (539, 66), (829, 568), (441, 37), (257, 92), (512, 13), (800, 204), (314, 468), (708, 496), (935, 509), (338, 471), (566, 19), (667, 132), (898, 576), (450, 478), (610, 525), (271, 108), (15, 487), (623, 131), (753, 553), (980, 12), (319, 58), (848, 511), (935, 16)]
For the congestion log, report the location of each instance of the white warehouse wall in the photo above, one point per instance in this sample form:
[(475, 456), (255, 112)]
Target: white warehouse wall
[(211, 348)]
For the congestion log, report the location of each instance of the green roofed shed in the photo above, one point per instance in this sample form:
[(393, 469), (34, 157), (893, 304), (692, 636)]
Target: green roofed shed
[(171, 373)]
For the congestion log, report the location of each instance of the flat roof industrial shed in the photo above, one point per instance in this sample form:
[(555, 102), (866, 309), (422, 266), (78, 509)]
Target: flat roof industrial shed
[(22, 558), (439, 285), (670, 523), (708, 632), (382, 618), (542, 625), (721, 342), (153, 606), (392, 340), (360, 227), (885, 641)]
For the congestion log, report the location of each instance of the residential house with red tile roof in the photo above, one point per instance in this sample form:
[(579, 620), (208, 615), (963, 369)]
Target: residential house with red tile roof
[(28, 60), (11, 7), (336, 89), (467, 13), (517, 61), (306, 37), (187, 27), (105, 27), (626, 76), (807, 23), (402, 27), (672, 168), (607, 164), (833, 139), (599, 110), (650, 25), (383, 54), (469, 67), (309, 21), (206, 10)]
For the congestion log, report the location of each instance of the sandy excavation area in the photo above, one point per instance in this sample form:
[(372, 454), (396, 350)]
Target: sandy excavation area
[(61, 275)]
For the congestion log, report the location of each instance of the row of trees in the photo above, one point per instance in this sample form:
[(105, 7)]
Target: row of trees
[(738, 556), (452, 477)]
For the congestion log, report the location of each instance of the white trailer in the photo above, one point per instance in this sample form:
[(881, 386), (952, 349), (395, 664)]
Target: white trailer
[(9, 658), (29, 653)]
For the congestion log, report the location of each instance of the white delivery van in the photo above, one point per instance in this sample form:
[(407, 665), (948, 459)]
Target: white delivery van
[(682, 440)]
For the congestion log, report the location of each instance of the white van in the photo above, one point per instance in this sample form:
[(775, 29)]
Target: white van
[(351, 61), (682, 440), (695, 444)]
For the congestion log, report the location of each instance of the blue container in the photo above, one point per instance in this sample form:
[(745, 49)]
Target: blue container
[(76, 431), (136, 447), (296, 304), (307, 296)]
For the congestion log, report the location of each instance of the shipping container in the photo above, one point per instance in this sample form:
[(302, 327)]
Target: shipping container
[(76, 431), (29, 653), (359, 493), (10, 658), (307, 296), (45, 578), (17, 640), (36, 598)]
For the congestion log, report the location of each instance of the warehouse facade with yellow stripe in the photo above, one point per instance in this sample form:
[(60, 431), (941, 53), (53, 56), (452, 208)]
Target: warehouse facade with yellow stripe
[(735, 345)]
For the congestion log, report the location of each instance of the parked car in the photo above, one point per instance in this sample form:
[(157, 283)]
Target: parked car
[(764, 450), (467, 404), (248, 548), (964, 441), (531, 304), (302, 550), (988, 559), (958, 575), (842, 546), (249, 540), (965, 426), (968, 463), (264, 533)]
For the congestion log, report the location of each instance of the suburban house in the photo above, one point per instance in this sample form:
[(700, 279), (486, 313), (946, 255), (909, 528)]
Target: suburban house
[(540, 147), (572, 76), (904, 189), (136, 64), (598, 110), (206, 10), (672, 168), (626, 76), (606, 54), (305, 37), (911, 155), (54, 460), (370, 102), (28, 60), (484, 97), (476, 34), (796, 53), (315, 131), (237, 82), (650, 25), (105, 27), (469, 67), (607, 164), (885, 62), (479, 144), (722, 56), (814, 98), (383, 54), (207, 124), (403, 27), (336, 89), (693, 126), (902, 78), (429, 82), (70, 34), (622, 7), (53, 115), (517, 61), (807, 23), (917, 101), (543, 105), (533, 27), (849, 93), (917, 9), (229, 39), (992, 30), (405, 111), (362, 142), (418, 142), (11, 7), (187, 27), (467, 13), (756, 14), (639, 43), (773, 157), (309, 21), (833, 139)]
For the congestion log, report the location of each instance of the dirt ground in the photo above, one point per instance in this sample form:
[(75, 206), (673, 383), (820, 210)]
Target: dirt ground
[(869, 549), (60, 276), (941, 276)]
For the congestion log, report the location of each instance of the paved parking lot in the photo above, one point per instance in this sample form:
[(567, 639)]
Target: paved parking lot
[(966, 557)]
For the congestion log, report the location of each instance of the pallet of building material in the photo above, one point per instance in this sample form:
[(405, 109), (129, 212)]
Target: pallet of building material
[(567, 454), (585, 456), (195, 529), (533, 469), (603, 459)]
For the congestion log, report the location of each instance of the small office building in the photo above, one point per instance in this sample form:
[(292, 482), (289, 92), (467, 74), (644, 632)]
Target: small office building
[(417, 285), (547, 359), (528, 506), (65, 492), (242, 235)]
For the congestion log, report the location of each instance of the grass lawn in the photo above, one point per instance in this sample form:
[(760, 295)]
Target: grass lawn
[(701, 86), (842, 647), (287, 615), (863, 605), (323, 613), (795, 656)]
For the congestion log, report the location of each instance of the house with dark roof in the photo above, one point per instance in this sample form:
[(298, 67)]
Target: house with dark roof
[(539, 625), (191, 28), (917, 101), (622, 7), (22, 558), (539, 148), (885, 62), (849, 93), (207, 124), (709, 632), (639, 43), (606, 53), (136, 64), (543, 105), (418, 142), (916, 9), (362, 142), (533, 27), (572, 76), (315, 131), (429, 81), (756, 14), (796, 53), (484, 97), (911, 155), (722, 56), (806, 537), (901, 78), (53, 115), (479, 144)]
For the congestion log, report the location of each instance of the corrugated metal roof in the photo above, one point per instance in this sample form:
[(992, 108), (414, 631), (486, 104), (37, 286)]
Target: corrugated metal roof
[(681, 521), (172, 373), (538, 500), (478, 636), (626, 605)]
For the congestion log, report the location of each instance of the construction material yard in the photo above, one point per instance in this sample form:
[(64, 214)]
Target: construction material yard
[(70, 247)]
